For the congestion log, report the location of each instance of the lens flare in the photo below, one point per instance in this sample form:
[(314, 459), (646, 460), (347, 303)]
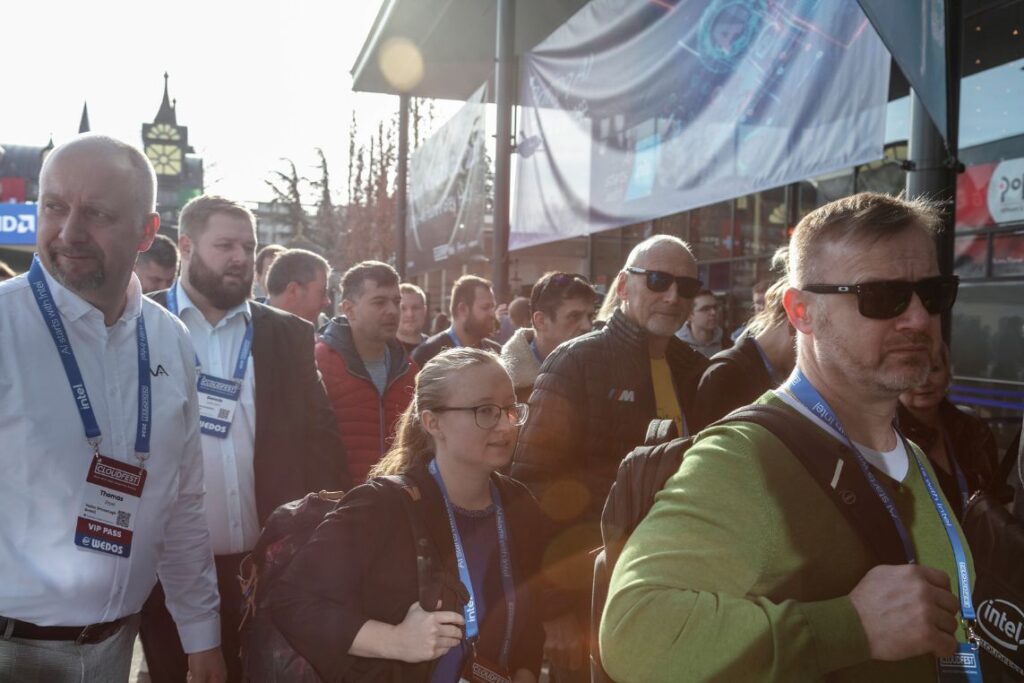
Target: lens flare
[(401, 63)]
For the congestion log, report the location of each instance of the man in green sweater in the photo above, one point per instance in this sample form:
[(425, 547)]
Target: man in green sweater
[(745, 569)]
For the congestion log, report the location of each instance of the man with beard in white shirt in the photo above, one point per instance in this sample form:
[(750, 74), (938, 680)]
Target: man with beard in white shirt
[(103, 481), (268, 434)]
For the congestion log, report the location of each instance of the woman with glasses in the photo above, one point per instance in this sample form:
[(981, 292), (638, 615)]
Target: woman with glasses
[(359, 603), (961, 446)]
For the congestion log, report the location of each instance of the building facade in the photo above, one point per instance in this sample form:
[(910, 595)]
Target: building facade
[(734, 240)]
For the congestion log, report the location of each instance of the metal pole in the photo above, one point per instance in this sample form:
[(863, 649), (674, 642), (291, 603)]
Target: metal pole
[(402, 183), (931, 176), (503, 99), (932, 163)]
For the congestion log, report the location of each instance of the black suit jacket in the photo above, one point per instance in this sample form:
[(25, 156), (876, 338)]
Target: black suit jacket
[(298, 447), (735, 377)]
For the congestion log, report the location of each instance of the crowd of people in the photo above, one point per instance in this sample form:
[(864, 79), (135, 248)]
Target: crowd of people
[(159, 401)]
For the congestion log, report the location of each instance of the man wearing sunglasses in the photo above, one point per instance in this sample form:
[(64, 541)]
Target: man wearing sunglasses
[(591, 405), (857, 572)]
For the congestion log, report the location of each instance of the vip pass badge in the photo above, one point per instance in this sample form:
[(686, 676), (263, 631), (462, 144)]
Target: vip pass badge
[(113, 489), (964, 666), (218, 400), (218, 396)]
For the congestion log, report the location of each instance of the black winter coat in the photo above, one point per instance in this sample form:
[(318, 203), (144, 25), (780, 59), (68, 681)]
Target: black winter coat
[(360, 565), (590, 407), (735, 377), (974, 447), (441, 341)]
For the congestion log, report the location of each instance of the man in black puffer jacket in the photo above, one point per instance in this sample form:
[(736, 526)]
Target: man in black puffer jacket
[(591, 405)]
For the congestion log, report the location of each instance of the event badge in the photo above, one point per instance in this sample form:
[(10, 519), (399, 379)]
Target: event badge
[(963, 667), (477, 670), (218, 399), (111, 501)]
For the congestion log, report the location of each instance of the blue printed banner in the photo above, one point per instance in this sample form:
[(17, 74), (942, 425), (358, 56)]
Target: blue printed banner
[(634, 110), (18, 224)]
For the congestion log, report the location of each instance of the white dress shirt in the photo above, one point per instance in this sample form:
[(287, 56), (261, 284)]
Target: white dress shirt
[(228, 463), (44, 578)]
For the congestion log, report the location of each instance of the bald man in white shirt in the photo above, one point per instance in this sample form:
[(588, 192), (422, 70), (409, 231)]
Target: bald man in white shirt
[(103, 476)]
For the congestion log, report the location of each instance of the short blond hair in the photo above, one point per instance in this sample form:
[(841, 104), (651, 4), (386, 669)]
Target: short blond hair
[(195, 216), (864, 218)]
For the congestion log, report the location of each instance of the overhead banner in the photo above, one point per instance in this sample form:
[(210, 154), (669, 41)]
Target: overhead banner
[(447, 191), (18, 224), (634, 110)]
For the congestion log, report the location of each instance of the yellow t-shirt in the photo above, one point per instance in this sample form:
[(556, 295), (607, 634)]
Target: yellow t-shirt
[(665, 400)]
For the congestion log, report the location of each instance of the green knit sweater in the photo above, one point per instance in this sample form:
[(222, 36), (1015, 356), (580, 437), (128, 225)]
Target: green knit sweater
[(742, 572)]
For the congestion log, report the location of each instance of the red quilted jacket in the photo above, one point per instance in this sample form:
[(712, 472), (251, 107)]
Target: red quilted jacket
[(366, 419)]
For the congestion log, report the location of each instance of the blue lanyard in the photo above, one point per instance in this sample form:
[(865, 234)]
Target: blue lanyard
[(801, 388), (536, 353), (454, 337), (508, 585), (51, 315), (242, 364)]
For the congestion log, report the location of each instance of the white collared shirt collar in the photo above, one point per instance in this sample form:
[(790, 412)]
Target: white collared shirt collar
[(184, 303)]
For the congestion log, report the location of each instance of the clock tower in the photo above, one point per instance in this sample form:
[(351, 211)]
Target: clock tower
[(179, 175)]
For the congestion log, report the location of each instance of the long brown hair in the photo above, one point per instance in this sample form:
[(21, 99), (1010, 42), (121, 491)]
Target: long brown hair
[(413, 445)]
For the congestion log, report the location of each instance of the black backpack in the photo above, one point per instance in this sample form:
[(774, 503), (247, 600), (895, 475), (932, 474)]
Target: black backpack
[(266, 655), (996, 538), (646, 469)]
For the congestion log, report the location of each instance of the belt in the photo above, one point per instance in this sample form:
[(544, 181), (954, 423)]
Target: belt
[(82, 635)]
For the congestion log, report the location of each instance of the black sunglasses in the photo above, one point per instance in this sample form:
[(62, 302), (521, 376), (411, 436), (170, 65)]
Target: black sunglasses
[(659, 281), (888, 299)]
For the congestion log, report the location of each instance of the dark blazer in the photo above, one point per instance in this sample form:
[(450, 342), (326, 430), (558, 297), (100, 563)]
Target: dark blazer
[(360, 565), (441, 341), (298, 448), (735, 377)]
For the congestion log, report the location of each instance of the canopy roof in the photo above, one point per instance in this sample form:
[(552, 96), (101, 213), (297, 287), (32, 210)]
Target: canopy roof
[(456, 39)]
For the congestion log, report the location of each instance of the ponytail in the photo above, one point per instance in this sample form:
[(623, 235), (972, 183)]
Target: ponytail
[(412, 445)]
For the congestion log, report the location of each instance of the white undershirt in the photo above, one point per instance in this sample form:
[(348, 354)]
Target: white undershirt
[(893, 463)]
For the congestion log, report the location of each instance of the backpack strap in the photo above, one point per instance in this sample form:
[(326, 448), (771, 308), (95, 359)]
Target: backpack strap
[(834, 467), (411, 498)]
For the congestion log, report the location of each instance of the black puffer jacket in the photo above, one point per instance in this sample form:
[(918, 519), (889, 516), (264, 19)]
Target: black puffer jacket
[(974, 447), (590, 407)]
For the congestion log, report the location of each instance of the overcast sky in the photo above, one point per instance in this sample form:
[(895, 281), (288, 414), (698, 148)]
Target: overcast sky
[(254, 81)]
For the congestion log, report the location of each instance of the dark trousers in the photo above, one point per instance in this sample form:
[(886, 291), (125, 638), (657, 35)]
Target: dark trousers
[(165, 658)]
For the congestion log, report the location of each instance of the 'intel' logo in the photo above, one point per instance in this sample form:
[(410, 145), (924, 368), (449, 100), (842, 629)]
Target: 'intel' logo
[(1003, 622)]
